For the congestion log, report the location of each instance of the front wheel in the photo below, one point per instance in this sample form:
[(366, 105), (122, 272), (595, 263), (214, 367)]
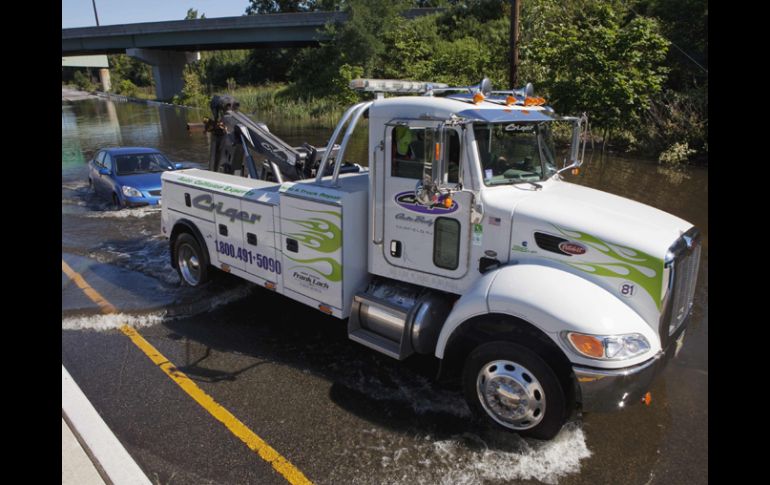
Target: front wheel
[(510, 386), (191, 261)]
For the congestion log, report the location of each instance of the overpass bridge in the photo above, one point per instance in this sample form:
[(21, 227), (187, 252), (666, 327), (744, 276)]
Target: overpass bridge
[(168, 46)]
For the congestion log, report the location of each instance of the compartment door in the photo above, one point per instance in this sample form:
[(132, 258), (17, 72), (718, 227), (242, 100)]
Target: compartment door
[(311, 241), (228, 222), (259, 242)]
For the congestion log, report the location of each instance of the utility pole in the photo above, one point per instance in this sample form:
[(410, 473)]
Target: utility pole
[(104, 74), (514, 43), (95, 15)]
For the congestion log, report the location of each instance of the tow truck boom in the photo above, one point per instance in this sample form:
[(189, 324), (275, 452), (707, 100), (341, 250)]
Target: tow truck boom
[(237, 139)]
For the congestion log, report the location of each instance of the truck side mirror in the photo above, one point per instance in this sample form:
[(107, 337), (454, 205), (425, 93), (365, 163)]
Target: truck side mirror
[(579, 131), (423, 192), (427, 186)]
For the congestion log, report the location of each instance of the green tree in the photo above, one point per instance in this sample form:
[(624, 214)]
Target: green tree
[(83, 81), (126, 88), (192, 14), (123, 67), (272, 64), (602, 64), (286, 6), (192, 93), (685, 24), (358, 43)]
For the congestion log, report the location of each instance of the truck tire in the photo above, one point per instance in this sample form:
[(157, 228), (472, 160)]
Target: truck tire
[(192, 263), (510, 386)]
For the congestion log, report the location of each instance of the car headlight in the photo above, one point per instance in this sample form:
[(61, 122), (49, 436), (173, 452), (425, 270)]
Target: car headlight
[(608, 347), (131, 192)]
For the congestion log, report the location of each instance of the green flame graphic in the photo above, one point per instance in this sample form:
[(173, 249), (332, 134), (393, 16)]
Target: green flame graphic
[(631, 264), (335, 275), (320, 235)]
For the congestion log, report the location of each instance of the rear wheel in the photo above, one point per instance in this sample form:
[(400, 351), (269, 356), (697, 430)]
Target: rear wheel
[(191, 261), (512, 387)]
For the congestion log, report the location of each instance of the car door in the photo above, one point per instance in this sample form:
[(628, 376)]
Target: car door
[(106, 181), (93, 172)]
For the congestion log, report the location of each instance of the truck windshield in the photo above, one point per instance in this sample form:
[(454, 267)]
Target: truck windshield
[(515, 152)]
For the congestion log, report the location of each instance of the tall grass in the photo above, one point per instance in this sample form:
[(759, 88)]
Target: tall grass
[(275, 100)]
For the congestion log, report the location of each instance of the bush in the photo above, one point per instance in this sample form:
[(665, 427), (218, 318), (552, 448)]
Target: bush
[(673, 121), (192, 93), (127, 88), (676, 154), (83, 82)]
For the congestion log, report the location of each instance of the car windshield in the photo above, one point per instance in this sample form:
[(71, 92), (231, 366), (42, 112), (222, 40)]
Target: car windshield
[(142, 163), (515, 152)]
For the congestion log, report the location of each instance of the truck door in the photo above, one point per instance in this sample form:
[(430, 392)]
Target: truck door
[(430, 238)]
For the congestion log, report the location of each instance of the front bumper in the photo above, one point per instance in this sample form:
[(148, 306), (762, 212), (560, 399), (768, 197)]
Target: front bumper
[(604, 390), (141, 201)]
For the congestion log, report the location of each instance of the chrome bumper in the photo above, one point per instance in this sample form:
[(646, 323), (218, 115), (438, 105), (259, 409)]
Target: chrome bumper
[(605, 390)]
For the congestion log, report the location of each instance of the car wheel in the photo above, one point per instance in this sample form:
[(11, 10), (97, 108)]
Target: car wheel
[(510, 386), (191, 262)]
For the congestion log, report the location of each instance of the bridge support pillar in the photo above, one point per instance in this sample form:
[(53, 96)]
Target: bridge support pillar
[(104, 77), (167, 69)]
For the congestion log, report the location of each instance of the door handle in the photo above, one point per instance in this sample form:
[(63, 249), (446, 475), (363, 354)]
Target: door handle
[(395, 249)]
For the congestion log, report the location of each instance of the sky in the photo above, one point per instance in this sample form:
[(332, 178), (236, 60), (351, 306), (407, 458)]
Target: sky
[(80, 13)]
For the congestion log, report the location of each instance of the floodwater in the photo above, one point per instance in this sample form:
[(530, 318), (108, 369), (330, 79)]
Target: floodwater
[(386, 421)]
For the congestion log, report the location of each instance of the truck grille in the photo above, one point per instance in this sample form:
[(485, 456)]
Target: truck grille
[(550, 242), (684, 270)]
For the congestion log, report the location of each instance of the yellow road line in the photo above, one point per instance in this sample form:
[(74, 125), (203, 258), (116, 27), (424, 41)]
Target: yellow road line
[(90, 292), (283, 466)]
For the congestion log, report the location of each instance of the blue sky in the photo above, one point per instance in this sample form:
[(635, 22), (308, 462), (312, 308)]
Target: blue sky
[(80, 13)]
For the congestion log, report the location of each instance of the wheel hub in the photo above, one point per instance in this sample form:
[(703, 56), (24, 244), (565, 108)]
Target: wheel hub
[(188, 263), (511, 394)]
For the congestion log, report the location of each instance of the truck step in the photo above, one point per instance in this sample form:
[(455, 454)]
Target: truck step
[(377, 342)]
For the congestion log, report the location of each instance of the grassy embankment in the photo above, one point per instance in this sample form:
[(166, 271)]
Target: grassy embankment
[(276, 100)]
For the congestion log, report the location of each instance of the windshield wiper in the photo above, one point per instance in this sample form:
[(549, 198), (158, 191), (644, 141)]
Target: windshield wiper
[(516, 182)]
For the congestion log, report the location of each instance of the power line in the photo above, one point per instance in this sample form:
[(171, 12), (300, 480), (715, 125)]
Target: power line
[(674, 44)]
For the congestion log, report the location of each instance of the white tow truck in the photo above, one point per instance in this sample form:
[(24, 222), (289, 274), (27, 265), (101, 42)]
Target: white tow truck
[(459, 240)]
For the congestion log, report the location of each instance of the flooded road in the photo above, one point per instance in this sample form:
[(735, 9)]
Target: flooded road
[(339, 411)]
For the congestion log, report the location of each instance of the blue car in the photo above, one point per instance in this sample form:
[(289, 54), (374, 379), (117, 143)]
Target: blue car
[(128, 176)]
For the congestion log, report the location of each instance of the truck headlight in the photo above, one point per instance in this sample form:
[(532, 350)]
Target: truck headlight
[(608, 347), (131, 192)]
